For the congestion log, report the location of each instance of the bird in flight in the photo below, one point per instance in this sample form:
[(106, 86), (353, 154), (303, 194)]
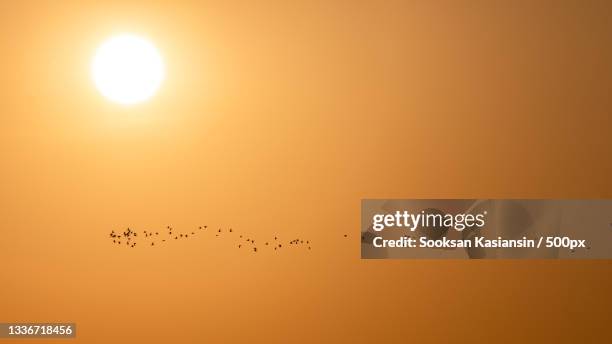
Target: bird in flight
[(130, 237)]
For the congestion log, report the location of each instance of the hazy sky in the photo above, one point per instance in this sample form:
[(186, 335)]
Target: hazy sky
[(277, 118)]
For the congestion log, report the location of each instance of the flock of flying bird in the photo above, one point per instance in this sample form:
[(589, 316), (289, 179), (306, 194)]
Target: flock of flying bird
[(130, 238)]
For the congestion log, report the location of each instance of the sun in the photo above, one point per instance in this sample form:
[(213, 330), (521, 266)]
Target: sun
[(127, 69)]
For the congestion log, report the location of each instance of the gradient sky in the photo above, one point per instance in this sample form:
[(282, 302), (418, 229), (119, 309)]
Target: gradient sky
[(277, 118)]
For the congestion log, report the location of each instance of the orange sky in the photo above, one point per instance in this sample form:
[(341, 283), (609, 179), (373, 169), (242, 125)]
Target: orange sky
[(277, 118)]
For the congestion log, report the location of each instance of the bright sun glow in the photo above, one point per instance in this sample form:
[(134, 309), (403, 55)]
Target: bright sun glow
[(127, 69)]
